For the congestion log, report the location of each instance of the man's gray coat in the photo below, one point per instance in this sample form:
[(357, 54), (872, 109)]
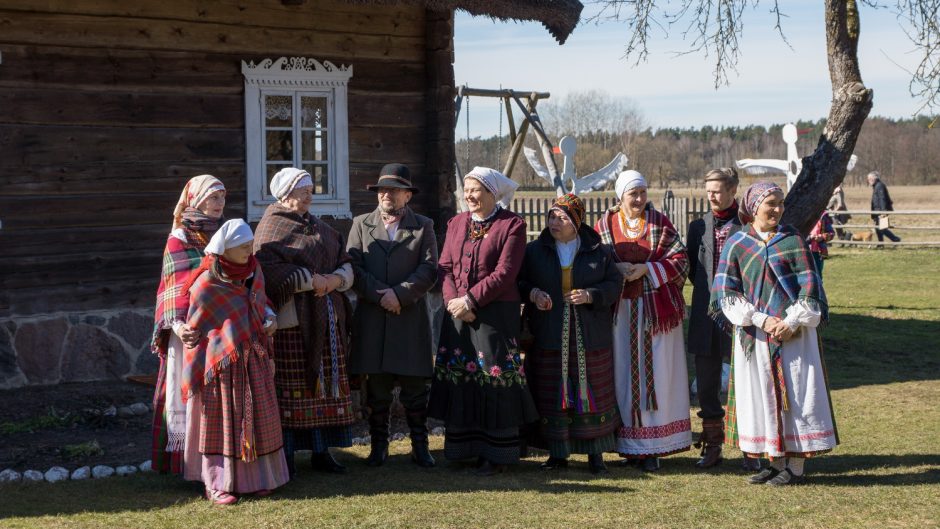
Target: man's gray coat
[(383, 342)]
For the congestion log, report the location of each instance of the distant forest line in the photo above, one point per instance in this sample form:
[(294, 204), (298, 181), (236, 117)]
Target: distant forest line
[(904, 151)]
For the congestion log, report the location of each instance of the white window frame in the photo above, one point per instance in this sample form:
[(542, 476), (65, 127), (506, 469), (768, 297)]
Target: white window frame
[(292, 76)]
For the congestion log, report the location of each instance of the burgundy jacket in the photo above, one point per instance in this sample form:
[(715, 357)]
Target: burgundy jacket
[(485, 269)]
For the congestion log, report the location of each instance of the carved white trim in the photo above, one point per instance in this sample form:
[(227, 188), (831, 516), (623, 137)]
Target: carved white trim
[(288, 76), (296, 72)]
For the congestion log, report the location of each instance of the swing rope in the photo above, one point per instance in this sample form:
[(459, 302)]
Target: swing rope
[(467, 144)]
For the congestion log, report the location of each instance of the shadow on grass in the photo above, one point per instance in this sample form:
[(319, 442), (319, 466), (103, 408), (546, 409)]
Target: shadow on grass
[(855, 470), (398, 476), (864, 350)]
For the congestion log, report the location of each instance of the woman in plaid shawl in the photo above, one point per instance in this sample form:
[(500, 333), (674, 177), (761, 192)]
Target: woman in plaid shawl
[(235, 445), (307, 270), (768, 288), (196, 218), (649, 352)]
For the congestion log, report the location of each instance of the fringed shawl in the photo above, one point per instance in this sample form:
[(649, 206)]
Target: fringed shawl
[(664, 307), (179, 259), (230, 318), (772, 276), (286, 241)]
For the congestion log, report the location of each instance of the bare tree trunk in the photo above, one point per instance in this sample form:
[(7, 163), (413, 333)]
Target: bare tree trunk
[(851, 103)]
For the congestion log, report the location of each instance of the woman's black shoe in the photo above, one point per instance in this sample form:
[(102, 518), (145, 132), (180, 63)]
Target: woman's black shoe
[(763, 476), (324, 462), (650, 464), (596, 464), (554, 462), (629, 462), (489, 469)]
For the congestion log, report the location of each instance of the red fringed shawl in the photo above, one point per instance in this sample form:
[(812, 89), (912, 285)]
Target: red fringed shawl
[(664, 307), (230, 317), (179, 259)]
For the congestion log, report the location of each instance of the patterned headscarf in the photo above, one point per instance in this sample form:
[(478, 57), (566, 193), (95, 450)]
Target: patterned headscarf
[(194, 192), (753, 198), (571, 205)]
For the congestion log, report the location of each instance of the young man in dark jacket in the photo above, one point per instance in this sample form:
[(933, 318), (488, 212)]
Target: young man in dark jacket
[(707, 342)]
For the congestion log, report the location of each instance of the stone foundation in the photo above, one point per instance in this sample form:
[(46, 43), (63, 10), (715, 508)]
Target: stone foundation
[(76, 347), (98, 345)]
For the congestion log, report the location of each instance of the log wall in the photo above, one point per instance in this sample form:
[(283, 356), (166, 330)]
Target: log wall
[(107, 107)]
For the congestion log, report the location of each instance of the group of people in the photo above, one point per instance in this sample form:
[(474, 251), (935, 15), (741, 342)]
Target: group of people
[(572, 342)]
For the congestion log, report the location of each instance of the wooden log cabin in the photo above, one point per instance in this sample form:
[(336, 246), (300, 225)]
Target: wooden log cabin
[(107, 107)]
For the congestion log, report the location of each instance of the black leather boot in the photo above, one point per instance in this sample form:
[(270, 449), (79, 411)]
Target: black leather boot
[(378, 431), (417, 424), (713, 436), (596, 464)]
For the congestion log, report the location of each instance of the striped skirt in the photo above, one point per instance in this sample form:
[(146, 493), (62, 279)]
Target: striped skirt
[(574, 430)]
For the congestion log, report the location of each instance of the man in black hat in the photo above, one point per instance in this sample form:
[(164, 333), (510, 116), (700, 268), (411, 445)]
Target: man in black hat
[(394, 254)]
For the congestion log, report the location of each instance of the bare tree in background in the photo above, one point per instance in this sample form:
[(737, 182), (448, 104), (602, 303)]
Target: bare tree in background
[(715, 26)]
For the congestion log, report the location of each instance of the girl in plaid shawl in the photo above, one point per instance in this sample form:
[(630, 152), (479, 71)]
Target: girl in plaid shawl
[(196, 218), (234, 439), (650, 372), (768, 288)]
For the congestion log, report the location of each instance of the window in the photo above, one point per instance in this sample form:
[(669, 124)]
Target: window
[(295, 116)]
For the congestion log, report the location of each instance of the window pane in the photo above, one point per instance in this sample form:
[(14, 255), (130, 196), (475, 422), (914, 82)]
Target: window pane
[(272, 169), (321, 178), (278, 111), (313, 112), (279, 145), (315, 146)]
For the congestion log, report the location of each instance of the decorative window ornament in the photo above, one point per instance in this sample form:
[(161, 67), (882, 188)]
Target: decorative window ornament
[(296, 116)]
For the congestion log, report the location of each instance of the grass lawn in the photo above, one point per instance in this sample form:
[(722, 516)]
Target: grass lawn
[(883, 356)]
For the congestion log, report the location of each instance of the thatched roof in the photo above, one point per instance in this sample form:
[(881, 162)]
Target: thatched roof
[(558, 16)]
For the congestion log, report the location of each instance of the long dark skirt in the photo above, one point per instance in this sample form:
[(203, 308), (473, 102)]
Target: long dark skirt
[(577, 429), (479, 388)]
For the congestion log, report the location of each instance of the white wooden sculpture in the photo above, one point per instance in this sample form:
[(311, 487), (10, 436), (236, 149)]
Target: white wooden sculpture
[(593, 182), (790, 167)]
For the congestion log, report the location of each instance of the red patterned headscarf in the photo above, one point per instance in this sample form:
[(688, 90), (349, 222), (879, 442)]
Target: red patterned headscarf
[(571, 205)]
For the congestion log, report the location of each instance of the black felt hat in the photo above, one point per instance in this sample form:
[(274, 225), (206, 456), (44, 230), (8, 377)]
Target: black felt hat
[(394, 175)]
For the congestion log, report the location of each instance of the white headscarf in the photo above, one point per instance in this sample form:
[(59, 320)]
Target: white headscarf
[(495, 182), (235, 232), (288, 179), (628, 180)]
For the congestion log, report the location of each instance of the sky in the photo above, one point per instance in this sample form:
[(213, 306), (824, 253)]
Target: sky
[(774, 83)]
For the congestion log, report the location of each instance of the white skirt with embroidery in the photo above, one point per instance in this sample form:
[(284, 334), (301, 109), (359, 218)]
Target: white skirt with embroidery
[(807, 426), (667, 429)]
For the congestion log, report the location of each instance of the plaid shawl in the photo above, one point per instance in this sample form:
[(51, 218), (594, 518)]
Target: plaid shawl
[(230, 317), (664, 307), (179, 259), (772, 276), (286, 241)]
